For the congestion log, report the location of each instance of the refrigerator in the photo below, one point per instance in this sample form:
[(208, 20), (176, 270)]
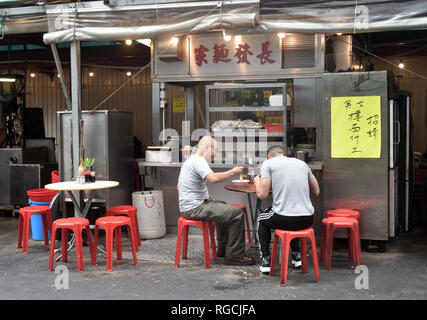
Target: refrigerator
[(376, 186), (107, 137)]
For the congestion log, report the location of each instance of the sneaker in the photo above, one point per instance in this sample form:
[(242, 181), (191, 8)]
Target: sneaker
[(265, 265), (296, 259)]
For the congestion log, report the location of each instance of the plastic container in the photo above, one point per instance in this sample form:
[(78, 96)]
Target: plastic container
[(55, 176), (151, 215), (273, 127), (41, 195), (310, 148), (36, 222)]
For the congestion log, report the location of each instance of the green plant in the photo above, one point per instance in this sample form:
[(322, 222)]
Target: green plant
[(87, 161)]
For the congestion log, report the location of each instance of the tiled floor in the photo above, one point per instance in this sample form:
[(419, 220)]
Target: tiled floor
[(163, 250)]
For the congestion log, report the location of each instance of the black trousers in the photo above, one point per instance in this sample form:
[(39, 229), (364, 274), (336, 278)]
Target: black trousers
[(268, 220)]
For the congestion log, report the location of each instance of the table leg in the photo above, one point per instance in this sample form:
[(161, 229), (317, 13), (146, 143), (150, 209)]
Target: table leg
[(254, 216)]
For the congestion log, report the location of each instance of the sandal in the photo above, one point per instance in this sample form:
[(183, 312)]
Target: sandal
[(244, 260)]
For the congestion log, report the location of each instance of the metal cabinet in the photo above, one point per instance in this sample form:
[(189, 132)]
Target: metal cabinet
[(107, 137), (253, 101)]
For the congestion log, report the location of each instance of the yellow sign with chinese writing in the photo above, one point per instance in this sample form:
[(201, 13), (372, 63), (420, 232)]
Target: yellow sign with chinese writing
[(356, 127), (178, 105)]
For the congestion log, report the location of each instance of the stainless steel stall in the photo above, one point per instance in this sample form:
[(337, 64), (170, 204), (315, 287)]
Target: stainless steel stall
[(107, 137), (283, 79)]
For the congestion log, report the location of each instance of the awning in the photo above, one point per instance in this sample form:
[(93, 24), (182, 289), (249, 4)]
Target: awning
[(136, 19)]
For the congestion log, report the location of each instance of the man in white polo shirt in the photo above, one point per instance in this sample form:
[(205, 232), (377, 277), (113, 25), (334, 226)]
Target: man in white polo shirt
[(291, 182), (195, 203)]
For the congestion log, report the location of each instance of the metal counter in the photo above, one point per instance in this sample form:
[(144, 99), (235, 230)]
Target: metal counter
[(165, 177)]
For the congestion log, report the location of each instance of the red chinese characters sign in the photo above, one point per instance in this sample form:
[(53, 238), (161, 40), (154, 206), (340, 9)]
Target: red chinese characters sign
[(242, 54)]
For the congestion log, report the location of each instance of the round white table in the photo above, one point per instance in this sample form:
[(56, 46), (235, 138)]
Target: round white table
[(71, 186)]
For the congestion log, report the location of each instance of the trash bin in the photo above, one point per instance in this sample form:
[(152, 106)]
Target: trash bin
[(39, 197), (151, 214)]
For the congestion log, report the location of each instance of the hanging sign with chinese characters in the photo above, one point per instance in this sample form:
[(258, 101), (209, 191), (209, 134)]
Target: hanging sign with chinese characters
[(241, 54), (356, 127)]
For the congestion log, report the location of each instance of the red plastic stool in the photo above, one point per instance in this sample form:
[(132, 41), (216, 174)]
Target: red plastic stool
[(286, 237), (76, 225), (345, 213), (328, 228), (131, 212), (208, 231), (248, 228), (111, 224), (25, 214)]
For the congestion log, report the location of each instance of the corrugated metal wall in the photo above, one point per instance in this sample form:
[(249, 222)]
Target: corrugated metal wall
[(418, 87), (45, 91)]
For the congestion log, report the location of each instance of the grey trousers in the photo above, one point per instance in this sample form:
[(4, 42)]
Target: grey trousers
[(229, 222)]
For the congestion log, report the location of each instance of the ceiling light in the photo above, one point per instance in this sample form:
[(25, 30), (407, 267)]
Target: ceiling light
[(91, 74), (401, 65), (128, 73), (145, 42), (227, 37), (7, 79), (128, 42), (32, 74), (174, 40), (281, 35), (339, 34)]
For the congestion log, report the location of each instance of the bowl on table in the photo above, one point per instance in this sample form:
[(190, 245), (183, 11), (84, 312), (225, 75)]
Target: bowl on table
[(241, 183)]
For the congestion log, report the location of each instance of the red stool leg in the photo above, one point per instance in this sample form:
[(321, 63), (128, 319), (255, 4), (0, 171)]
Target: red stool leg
[(95, 243), (323, 242), (26, 232), (49, 219), (314, 254), (91, 246), (205, 232), (212, 236), (64, 239), (303, 246), (79, 247), (185, 241), (109, 247), (329, 245), (248, 228), (357, 248), (137, 234), (273, 254), (118, 234), (45, 228), (178, 244), (351, 253), (20, 229), (52, 248), (284, 260), (134, 245)]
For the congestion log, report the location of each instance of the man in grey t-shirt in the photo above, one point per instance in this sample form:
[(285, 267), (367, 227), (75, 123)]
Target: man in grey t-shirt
[(195, 203), (291, 181)]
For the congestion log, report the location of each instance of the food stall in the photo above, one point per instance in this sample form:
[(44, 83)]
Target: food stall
[(242, 91), (258, 90)]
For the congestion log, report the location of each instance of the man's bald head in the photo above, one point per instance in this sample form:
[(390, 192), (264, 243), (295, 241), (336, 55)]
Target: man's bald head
[(206, 147)]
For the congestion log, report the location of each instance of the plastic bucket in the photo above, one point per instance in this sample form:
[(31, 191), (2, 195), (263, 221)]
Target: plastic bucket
[(41, 195), (151, 214), (36, 222)]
